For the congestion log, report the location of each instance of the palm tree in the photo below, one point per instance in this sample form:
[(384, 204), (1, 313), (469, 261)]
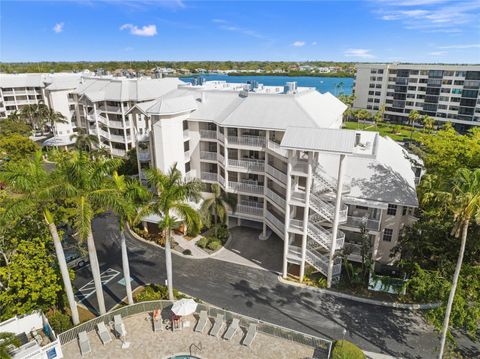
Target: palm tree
[(34, 189), (218, 206), (464, 201), (83, 140), (413, 117), (170, 201), (378, 117), (52, 117), (6, 340), (88, 188), (363, 115), (428, 122), (131, 196)]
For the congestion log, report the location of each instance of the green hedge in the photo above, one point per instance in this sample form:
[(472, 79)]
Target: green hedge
[(345, 350)]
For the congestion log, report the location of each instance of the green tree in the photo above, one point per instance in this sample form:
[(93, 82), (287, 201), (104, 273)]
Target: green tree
[(51, 116), (170, 201), (130, 197), (362, 115), (464, 203), (88, 188), (16, 147), (10, 126), (29, 280), (413, 117), (428, 123), (347, 100), (6, 340), (378, 117), (83, 140), (34, 189), (217, 206)]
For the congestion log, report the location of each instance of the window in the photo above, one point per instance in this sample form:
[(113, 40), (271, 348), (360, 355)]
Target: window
[(387, 234), (186, 146), (187, 167), (185, 125), (404, 210), (392, 209)]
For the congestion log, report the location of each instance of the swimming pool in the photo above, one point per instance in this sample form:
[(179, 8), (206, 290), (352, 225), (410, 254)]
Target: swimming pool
[(184, 356)]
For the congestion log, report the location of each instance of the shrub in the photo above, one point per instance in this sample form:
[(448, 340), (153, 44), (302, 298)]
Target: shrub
[(155, 292), (214, 244), (223, 233), (202, 243), (187, 252), (343, 349), (322, 283), (59, 321)]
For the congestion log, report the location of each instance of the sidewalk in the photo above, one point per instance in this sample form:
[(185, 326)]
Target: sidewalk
[(190, 245)]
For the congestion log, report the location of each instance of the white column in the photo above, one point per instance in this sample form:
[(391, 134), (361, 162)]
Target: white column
[(225, 153), (287, 215), (305, 215), (124, 127), (96, 121), (338, 204)]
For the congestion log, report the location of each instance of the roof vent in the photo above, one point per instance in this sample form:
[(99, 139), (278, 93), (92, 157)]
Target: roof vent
[(243, 93), (358, 136), (290, 87)]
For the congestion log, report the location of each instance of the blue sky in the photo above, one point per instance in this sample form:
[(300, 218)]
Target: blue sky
[(369, 30)]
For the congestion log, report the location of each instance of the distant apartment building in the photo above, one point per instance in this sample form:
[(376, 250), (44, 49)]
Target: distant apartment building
[(295, 172), (448, 93)]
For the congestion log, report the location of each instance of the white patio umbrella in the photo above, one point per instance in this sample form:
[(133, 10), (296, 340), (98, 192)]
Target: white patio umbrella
[(184, 307)]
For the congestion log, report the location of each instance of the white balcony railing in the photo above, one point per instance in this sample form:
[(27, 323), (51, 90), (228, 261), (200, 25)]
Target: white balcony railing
[(248, 164), (372, 224), (296, 224), (220, 158), (274, 197), (118, 124), (272, 171), (326, 209), (118, 138), (221, 137), (252, 141), (143, 156), (245, 187), (323, 236), (118, 152), (209, 156), (221, 180), (109, 108), (208, 134), (250, 208), (209, 176), (275, 147), (300, 166)]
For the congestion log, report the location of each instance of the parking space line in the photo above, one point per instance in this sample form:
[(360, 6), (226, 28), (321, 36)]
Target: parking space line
[(88, 289)]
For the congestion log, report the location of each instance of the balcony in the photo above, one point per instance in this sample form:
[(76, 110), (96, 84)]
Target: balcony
[(249, 208), (118, 152), (275, 198), (371, 224), (109, 108), (296, 224), (208, 134), (278, 224), (220, 158), (300, 166), (186, 134), (208, 156), (143, 156), (250, 141), (221, 137), (221, 180), (275, 147), (119, 138), (248, 164), (279, 175), (245, 187), (118, 124), (209, 176)]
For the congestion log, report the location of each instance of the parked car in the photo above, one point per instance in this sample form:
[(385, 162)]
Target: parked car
[(75, 259)]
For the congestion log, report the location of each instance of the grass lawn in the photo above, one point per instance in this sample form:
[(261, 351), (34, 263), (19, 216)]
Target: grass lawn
[(396, 132)]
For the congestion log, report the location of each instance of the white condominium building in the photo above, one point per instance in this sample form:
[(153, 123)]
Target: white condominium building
[(100, 106), (448, 93), (294, 171)]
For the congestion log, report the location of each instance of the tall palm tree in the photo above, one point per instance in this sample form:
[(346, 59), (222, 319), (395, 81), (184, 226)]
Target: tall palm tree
[(218, 206), (464, 202), (34, 189), (170, 201), (130, 197), (88, 188), (413, 117), (52, 117), (83, 140), (6, 340)]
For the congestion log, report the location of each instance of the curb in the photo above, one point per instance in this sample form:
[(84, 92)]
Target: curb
[(380, 303)]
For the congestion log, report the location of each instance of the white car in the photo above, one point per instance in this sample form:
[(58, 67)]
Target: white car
[(75, 259)]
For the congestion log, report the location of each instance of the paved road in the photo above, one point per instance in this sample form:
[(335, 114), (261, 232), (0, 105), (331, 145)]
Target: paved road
[(257, 293)]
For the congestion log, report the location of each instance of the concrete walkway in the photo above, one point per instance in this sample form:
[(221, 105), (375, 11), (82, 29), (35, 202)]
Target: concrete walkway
[(196, 251)]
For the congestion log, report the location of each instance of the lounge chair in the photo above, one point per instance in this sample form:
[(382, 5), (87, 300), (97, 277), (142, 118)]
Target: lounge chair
[(202, 322), (119, 326), (103, 333), (84, 343), (157, 321), (217, 326), (232, 329), (251, 333)]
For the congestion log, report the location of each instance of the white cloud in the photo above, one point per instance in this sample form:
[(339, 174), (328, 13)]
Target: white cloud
[(361, 53), (438, 53), (298, 43), (461, 46), (58, 28), (219, 21), (147, 30), (227, 26), (314, 43)]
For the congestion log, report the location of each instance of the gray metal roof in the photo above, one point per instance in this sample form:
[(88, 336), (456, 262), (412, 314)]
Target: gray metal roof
[(319, 139)]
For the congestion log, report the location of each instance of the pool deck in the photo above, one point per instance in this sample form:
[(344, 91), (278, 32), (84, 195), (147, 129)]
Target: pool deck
[(144, 343)]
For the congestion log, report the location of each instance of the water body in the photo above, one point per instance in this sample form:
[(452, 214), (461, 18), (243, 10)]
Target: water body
[(322, 84)]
